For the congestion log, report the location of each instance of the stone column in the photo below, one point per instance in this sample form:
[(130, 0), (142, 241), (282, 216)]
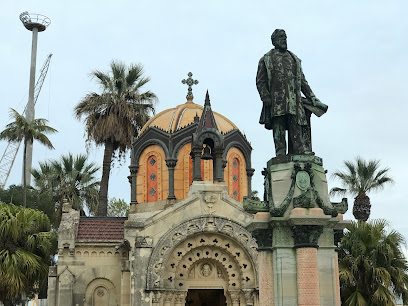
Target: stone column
[(168, 298), (265, 266), (156, 298), (235, 297), (141, 255), (52, 286), (196, 156), (125, 284), (171, 163), (224, 164), (338, 235), (306, 239), (180, 299), (250, 173), (133, 183), (218, 170)]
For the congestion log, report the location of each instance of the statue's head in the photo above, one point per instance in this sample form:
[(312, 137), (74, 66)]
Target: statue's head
[(278, 38)]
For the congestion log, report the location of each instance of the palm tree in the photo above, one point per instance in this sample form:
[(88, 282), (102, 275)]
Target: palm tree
[(21, 129), (71, 178), (372, 268), (115, 116), (360, 178), (26, 245)]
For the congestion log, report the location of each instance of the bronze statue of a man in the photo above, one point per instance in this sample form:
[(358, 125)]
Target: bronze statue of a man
[(280, 82)]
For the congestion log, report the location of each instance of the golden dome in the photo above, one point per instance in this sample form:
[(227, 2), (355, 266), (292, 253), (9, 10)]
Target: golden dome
[(173, 119)]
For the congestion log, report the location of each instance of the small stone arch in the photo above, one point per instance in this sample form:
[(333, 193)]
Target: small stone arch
[(179, 145), (101, 292), (240, 147), (136, 154), (172, 248), (213, 135)]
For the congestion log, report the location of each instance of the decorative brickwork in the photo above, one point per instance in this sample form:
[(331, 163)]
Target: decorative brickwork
[(235, 175), (307, 277), (265, 263), (152, 175), (152, 194)]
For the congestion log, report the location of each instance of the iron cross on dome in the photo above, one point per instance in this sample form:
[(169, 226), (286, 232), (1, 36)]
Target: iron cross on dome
[(189, 82)]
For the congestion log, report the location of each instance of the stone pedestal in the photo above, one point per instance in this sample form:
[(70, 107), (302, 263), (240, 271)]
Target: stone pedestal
[(300, 265)]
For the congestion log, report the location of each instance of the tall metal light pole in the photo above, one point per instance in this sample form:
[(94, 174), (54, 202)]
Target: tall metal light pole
[(35, 23)]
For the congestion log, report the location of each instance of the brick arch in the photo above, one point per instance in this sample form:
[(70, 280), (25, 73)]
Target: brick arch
[(240, 171), (160, 179)]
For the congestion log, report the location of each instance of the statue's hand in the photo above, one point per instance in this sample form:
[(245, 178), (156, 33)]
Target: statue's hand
[(315, 101)]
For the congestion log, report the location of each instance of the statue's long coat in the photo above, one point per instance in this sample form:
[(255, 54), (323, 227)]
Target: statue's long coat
[(273, 107)]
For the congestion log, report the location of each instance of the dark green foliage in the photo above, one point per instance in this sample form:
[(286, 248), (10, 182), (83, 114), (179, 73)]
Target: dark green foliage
[(26, 247), (117, 208), (116, 115), (72, 178), (360, 178), (35, 199), (372, 267), (22, 130)]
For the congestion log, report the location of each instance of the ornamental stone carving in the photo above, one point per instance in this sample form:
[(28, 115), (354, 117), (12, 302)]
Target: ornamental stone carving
[(176, 238), (263, 238), (211, 204), (307, 236), (206, 270)]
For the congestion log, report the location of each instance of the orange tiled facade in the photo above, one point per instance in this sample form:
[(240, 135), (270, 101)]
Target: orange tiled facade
[(152, 177)]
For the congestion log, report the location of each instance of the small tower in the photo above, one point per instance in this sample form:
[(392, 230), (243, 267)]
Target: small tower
[(34, 23), (207, 136)]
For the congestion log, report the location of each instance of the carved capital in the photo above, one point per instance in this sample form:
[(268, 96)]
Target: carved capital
[(250, 172), (263, 238), (248, 293), (133, 169), (180, 297), (218, 152), (307, 236), (156, 296), (171, 162), (168, 296), (235, 296)]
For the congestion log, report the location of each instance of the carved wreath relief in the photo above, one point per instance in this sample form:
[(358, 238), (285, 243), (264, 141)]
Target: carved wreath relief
[(303, 180)]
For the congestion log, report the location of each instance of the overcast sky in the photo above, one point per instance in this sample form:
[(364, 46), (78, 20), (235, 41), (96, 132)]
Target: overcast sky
[(353, 56)]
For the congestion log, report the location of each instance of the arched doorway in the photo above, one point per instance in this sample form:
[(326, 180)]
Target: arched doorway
[(208, 253), (206, 297)]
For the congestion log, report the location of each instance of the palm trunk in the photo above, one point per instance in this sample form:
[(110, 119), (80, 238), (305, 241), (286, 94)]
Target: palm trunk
[(103, 191), (362, 207), (25, 175)]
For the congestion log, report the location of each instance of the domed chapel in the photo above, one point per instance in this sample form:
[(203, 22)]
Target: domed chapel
[(188, 239), (185, 241)]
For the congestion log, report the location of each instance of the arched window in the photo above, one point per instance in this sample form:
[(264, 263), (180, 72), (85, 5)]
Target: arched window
[(152, 178)]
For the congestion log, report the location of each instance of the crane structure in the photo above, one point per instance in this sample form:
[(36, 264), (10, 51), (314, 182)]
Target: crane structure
[(9, 155)]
